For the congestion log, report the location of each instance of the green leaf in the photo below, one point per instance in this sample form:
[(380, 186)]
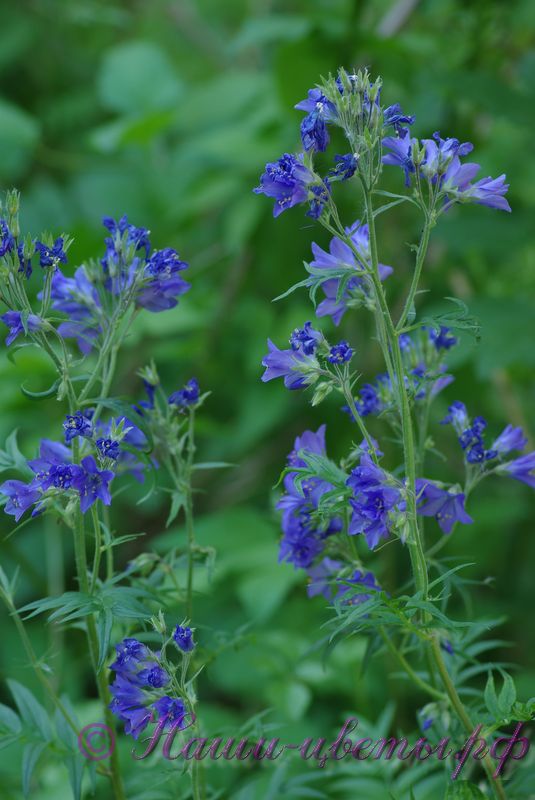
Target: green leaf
[(19, 133), (213, 465), (31, 710), (9, 719), (138, 77), (463, 790), (104, 626), (41, 395), (75, 769), (30, 757), (178, 499), (491, 698), (507, 696)]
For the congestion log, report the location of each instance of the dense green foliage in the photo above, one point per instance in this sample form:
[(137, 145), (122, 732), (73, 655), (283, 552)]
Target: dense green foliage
[(168, 111)]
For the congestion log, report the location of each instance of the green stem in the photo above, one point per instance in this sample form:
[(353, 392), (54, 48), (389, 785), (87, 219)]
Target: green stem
[(420, 258), (45, 682), (460, 710), (398, 655), (92, 638), (98, 548), (416, 553)]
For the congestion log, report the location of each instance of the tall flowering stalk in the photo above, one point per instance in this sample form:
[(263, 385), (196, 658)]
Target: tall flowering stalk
[(80, 323), (328, 509)]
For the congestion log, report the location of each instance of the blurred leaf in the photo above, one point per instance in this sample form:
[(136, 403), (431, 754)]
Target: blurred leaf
[(137, 76)]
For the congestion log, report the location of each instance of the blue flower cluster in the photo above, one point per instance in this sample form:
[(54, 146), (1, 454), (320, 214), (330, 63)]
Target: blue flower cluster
[(438, 161), (470, 436), (376, 503), (127, 274), (343, 258), (96, 296), (425, 372), (304, 535), (292, 180), (138, 690), (325, 579), (56, 474)]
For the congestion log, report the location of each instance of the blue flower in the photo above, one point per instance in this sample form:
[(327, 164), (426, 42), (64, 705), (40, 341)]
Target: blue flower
[(358, 579), (183, 637), (287, 181), (522, 469), (172, 710), (108, 448), (305, 339), (458, 416), (154, 676), (77, 424), (445, 506), (340, 353), (309, 441), (187, 396), (303, 536), (510, 439), (402, 152), (136, 237), (297, 369), (53, 468), (314, 133), (321, 577), (345, 167), (25, 264), (162, 285), (443, 339), (129, 704), (20, 497), (447, 646), (470, 435), (130, 652), (442, 158), (375, 500), (78, 298), (7, 240), (394, 116), (319, 197), (489, 192), (342, 257), (51, 256), (302, 541), (135, 690), (368, 402), (92, 484), (14, 321)]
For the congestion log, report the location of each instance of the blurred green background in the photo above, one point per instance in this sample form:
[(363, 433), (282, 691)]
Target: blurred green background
[(168, 111)]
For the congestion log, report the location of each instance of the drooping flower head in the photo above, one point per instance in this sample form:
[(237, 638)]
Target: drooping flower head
[(304, 534), (446, 506), (20, 497), (346, 591), (92, 484), (18, 325), (287, 181), (183, 637), (375, 501), (77, 424), (470, 433), (340, 259), (188, 396), (294, 366), (51, 255)]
